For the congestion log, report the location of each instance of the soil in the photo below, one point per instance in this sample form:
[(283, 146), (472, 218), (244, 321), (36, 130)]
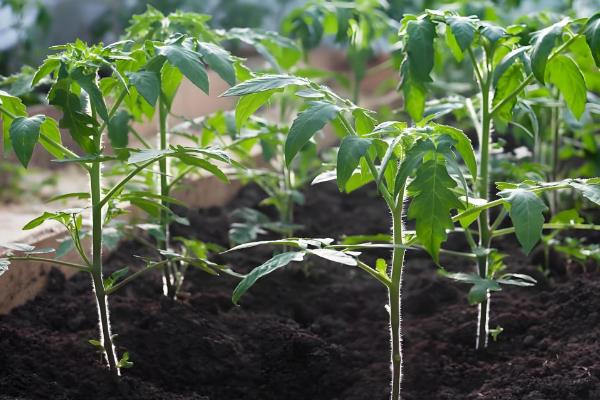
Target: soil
[(317, 331)]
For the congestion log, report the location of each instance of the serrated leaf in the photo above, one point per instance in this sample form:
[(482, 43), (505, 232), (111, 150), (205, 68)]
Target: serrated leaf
[(592, 36), (543, 43), (352, 149), (306, 124), (147, 83), (278, 261), (264, 83), (24, 135), (432, 201), (527, 215), (188, 63), (564, 73)]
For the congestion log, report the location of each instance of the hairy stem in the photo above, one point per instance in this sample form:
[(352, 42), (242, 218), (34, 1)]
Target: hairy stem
[(395, 298), (97, 278)]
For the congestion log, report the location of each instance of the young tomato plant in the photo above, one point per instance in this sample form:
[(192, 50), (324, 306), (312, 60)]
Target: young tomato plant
[(386, 154), (504, 70), (182, 44), (77, 91), (359, 25)]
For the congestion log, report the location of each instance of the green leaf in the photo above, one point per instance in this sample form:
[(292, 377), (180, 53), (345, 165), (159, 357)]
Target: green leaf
[(306, 124), (49, 129), (88, 83), (413, 158), (508, 82), (432, 202), (479, 291), (188, 62), (44, 70), (543, 43), (202, 163), (15, 106), (248, 104), (351, 150), (264, 83), (147, 83), (592, 37), (118, 129), (492, 32), (463, 29), (506, 62), (334, 255), (278, 261), (24, 135), (589, 191), (79, 124), (462, 144), (419, 47), (414, 92), (219, 60), (567, 77), (526, 212)]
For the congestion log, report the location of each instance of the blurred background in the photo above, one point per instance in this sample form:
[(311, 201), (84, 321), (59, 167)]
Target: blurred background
[(29, 27)]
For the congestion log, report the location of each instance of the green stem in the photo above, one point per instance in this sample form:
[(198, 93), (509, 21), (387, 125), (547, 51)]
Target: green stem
[(168, 277), (133, 276), (395, 297), (483, 188), (76, 266), (384, 280), (96, 272), (557, 226)]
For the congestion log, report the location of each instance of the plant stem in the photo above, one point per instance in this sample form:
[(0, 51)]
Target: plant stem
[(133, 276), (79, 267), (395, 299), (556, 226), (483, 220), (555, 129), (168, 277), (97, 278)]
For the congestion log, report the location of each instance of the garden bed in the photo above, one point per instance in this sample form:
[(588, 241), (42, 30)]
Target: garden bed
[(312, 331)]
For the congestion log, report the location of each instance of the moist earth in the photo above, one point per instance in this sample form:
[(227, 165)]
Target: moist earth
[(315, 331)]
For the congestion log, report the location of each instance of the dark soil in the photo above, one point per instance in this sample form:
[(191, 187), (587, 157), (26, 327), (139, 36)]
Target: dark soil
[(312, 332)]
